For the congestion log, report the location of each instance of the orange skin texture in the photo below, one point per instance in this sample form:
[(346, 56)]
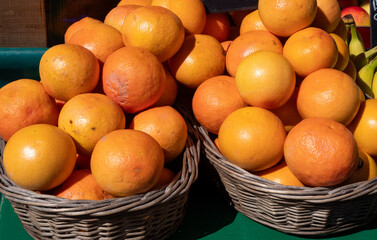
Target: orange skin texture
[(166, 177), (252, 22), (214, 100), (350, 70), (39, 157), (343, 52), (309, 50), (88, 117), (116, 16), (329, 93), (25, 102), (248, 43), (167, 126), (226, 45), (280, 173), (191, 12), (127, 162), (135, 2), (364, 127), (328, 15), (218, 26), (252, 138), (265, 79), (154, 28), (171, 90), (80, 185), (321, 152), (365, 171), (285, 17), (341, 30), (200, 57), (134, 78), (100, 38), (67, 70)]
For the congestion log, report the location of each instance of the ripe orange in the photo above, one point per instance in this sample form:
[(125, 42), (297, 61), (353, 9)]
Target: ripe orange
[(200, 57), (171, 90), (343, 52), (116, 16), (328, 15), (309, 50), (252, 22), (155, 29), (248, 43), (280, 173), (88, 117), (127, 162), (366, 169), (265, 79), (226, 45), (167, 126), (321, 152), (218, 26), (214, 100), (134, 78), (39, 157), (135, 2), (341, 30), (25, 102), (350, 70), (252, 138), (67, 70), (79, 185), (364, 127), (166, 177), (100, 38), (285, 17), (191, 12), (328, 93)]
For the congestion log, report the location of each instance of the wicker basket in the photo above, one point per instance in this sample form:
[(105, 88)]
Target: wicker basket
[(294, 210), (153, 215)]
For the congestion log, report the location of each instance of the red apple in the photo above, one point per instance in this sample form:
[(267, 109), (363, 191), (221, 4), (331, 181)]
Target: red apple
[(360, 16), (347, 3)]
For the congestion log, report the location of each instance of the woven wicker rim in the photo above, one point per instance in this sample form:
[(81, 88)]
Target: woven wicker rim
[(305, 194), (65, 207)]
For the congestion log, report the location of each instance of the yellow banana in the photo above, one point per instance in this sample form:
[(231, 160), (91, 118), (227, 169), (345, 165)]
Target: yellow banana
[(365, 77), (363, 58), (355, 43), (374, 85)]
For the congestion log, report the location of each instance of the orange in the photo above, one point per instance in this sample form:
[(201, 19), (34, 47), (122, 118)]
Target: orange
[(285, 17), (280, 173), (171, 90), (166, 177), (154, 28), (328, 93), (25, 102), (116, 16), (321, 152), (343, 52), (288, 112), (214, 100), (80, 185), (226, 45), (39, 157), (309, 50), (265, 79), (135, 2), (191, 12), (341, 30), (252, 22), (200, 57), (167, 126), (134, 78), (127, 162), (100, 38), (364, 127), (350, 70), (328, 15), (218, 26), (67, 70), (238, 15), (252, 138), (366, 169), (248, 43), (88, 117)]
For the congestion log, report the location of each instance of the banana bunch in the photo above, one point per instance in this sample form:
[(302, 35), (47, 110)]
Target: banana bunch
[(364, 60)]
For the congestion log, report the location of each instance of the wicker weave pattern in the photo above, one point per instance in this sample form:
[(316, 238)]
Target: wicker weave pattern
[(153, 215), (290, 209)]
